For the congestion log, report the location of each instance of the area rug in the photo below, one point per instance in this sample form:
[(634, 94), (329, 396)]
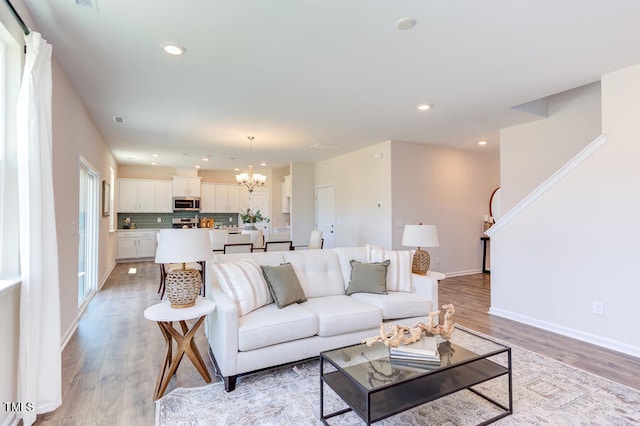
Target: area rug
[(545, 392)]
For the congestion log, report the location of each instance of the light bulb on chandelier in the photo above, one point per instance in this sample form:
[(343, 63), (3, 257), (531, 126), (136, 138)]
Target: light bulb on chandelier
[(251, 180)]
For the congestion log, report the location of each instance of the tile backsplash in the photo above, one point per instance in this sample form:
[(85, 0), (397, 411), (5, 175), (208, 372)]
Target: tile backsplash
[(150, 220)]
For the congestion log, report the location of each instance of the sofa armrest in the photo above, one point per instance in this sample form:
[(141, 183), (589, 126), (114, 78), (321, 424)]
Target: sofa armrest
[(427, 285), (221, 328)]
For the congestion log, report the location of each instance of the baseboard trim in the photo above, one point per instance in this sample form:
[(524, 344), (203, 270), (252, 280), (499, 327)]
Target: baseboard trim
[(74, 326), (569, 332), (68, 334), (105, 277), (462, 273)]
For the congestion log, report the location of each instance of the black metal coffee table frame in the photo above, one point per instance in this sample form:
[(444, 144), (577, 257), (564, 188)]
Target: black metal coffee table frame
[(380, 402)]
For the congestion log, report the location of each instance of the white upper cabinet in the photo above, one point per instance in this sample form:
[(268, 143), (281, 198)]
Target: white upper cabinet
[(208, 198), (231, 198), (186, 186), (144, 196), (164, 196)]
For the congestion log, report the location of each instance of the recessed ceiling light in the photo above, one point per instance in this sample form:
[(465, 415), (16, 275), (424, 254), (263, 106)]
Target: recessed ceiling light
[(197, 167), (236, 169), (156, 155), (423, 107), (263, 164), (173, 48), (154, 164), (405, 23), (205, 159), (482, 142)]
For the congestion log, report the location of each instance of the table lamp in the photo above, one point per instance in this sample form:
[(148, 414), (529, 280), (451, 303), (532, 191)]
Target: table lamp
[(420, 236), (183, 246)]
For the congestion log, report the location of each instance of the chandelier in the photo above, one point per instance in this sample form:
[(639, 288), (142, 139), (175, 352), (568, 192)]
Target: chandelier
[(251, 180)]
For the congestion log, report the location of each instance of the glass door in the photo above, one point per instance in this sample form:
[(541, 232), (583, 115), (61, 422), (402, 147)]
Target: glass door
[(87, 233)]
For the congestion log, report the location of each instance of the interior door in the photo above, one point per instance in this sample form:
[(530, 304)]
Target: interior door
[(325, 214)]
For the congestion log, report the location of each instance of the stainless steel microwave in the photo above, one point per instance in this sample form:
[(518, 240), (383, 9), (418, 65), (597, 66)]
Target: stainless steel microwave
[(189, 204)]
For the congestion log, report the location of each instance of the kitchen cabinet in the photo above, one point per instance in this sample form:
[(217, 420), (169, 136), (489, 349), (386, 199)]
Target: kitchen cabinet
[(137, 195), (231, 198), (259, 200), (136, 244), (164, 196), (186, 186), (208, 198)]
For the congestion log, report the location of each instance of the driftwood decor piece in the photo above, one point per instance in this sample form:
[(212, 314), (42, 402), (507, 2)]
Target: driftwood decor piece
[(393, 335)]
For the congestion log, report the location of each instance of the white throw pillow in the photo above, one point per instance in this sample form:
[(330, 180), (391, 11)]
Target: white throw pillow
[(244, 283), (399, 276)]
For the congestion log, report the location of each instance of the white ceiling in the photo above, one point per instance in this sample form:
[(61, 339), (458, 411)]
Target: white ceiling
[(296, 73)]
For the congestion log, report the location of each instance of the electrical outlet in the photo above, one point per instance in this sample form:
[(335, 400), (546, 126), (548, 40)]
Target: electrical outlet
[(159, 220), (598, 308)]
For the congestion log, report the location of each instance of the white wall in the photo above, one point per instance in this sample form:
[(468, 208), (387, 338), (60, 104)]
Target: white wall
[(302, 202), (413, 183), (577, 243), (447, 188), (74, 135), (531, 152), (361, 181)]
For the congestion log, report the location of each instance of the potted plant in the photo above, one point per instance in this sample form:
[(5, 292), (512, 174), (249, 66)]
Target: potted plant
[(252, 218)]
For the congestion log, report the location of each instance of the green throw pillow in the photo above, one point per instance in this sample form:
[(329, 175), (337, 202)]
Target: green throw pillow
[(368, 277), (283, 284)]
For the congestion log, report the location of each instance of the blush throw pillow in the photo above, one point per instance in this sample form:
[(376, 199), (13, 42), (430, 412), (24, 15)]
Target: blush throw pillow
[(243, 282), (283, 284), (368, 277)]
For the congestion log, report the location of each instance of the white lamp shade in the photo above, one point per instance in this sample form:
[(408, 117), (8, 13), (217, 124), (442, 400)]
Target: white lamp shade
[(420, 236), (183, 245)]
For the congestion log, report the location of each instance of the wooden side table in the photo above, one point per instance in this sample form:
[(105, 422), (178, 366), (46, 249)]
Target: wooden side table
[(165, 315)]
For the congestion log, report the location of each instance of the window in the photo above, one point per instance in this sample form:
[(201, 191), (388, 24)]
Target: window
[(10, 57)]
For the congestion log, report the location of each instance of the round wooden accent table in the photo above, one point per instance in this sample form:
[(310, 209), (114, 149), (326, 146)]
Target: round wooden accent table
[(165, 316)]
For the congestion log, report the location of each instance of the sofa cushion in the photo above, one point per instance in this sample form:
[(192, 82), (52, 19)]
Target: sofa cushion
[(396, 304), (283, 284), (368, 277), (342, 314), (244, 283), (318, 272), (270, 325), (261, 258), (399, 277)]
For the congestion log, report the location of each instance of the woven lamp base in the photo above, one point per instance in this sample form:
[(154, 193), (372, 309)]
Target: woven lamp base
[(421, 262), (182, 287)]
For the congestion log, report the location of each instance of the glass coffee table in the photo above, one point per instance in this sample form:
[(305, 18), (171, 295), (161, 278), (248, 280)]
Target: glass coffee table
[(375, 387)]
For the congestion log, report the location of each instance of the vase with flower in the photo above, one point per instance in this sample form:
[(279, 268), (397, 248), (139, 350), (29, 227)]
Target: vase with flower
[(250, 218)]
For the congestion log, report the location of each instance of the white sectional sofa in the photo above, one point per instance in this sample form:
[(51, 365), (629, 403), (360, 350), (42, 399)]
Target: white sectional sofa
[(269, 336)]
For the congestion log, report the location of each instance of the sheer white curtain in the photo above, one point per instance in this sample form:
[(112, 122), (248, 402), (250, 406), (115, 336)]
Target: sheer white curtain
[(39, 359)]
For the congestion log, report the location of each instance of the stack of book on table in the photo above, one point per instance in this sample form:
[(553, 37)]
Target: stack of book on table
[(423, 353)]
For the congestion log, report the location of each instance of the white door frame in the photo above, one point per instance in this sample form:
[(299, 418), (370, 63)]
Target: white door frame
[(89, 235)]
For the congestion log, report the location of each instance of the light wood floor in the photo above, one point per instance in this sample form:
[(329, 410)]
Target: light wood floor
[(110, 365)]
